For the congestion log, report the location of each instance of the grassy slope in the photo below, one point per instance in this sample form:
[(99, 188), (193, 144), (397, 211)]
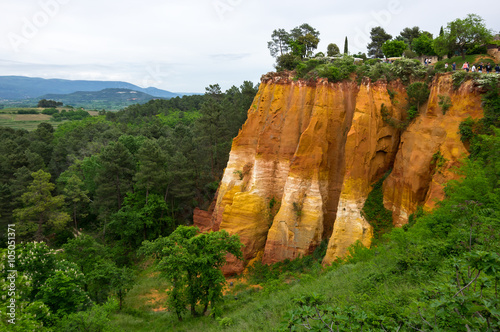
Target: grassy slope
[(387, 280), (471, 59), (263, 310)]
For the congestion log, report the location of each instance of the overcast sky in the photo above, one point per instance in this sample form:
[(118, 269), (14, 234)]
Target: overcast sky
[(183, 46)]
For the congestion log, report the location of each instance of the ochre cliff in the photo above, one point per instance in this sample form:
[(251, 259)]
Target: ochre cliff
[(302, 166), (430, 148)]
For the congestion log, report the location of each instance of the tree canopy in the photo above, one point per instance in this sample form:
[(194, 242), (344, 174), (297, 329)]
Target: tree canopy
[(41, 210), (332, 50), (423, 45), (192, 262), (301, 41), (461, 34), (378, 37), (408, 35), (393, 48)]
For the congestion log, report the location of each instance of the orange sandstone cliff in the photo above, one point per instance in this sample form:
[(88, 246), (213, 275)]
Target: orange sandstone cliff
[(430, 148), (303, 164)]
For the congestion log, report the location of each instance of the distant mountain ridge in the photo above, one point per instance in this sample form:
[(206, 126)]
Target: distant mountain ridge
[(112, 98), (22, 87)]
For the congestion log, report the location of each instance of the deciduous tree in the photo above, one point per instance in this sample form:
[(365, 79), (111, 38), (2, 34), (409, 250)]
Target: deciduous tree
[(192, 262), (393, 48), (461, 34), (332, 50)]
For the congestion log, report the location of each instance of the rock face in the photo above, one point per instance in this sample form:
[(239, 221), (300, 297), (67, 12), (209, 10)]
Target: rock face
[(429, 149), (303, 164)]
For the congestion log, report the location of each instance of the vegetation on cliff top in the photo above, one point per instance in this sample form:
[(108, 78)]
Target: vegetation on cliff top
[(294, 51)]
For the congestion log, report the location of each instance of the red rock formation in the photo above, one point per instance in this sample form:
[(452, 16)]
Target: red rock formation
[(415, 179), (370, 149), (303, 164)]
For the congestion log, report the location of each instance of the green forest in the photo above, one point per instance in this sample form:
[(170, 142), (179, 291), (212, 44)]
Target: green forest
[(96, 219)]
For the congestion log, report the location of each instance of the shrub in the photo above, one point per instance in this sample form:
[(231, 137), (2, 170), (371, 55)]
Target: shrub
[(477, 49), (330, 72), (27, 112), (373, 209), (412, 113), (375, 71), (50, 111), (410, 54), (445, 103), (408, 70), (96, 319), (438, 161), (418, 93), (286, 61)]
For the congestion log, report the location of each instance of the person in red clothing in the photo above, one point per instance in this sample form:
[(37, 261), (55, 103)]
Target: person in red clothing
[(466, 66)]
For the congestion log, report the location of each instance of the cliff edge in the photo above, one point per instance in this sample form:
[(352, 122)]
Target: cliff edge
[(303, 164)]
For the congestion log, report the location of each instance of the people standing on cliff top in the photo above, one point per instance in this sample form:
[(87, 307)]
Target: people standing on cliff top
[(473, 68), (480, 68), (497, 69), (488, 68), (466, 66), (454, 66)]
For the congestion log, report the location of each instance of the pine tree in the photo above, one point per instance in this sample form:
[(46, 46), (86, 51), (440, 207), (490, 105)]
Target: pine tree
[(114, 178), (76, 196), (152, 175), (41, 209)]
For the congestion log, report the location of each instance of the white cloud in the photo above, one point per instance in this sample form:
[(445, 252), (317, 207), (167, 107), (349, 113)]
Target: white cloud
[(187, 45)]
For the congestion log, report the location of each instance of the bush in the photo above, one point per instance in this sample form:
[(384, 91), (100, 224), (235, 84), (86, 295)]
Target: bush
[(410, 54), (286, 61), (418, 93), (408, 70), (96, 319), (477, 49), (304, 68), (27, 112), (444, 102), (374, 211), (375, 70), (50, 111)]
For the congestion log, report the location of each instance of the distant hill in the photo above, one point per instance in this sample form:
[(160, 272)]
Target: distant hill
[(113, 98), (21, 87)]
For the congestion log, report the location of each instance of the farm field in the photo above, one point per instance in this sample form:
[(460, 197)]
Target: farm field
[(10, 118)]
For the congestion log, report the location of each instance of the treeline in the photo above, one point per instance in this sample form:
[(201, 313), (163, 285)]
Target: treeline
[(98, 188), (460, 36), (130, 175)]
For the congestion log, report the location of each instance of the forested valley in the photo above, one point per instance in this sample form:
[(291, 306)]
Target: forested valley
[(99, 187)]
